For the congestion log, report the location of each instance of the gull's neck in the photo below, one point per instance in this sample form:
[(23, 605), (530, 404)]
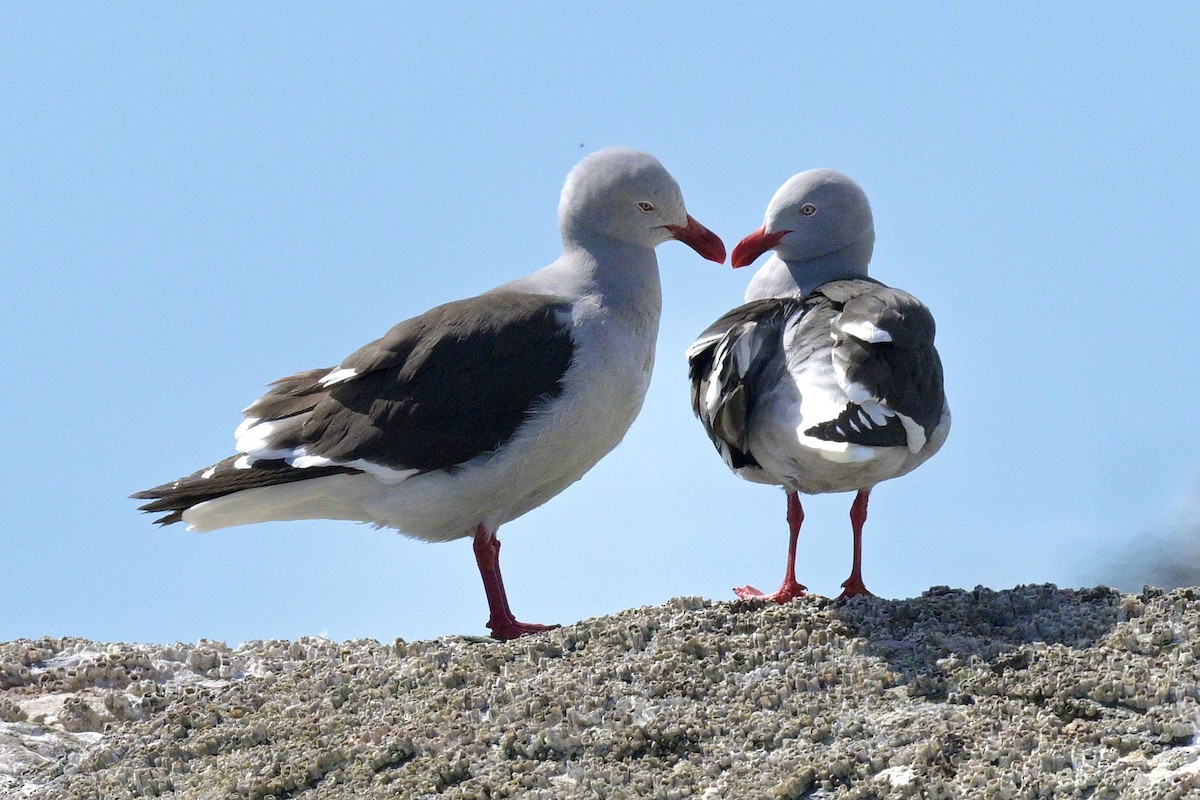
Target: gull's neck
[(780, 278), (621, 276), (624, 274)]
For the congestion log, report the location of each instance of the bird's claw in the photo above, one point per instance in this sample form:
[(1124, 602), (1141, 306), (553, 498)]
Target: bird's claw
[(789, 591), (512, 629), (853, 588)]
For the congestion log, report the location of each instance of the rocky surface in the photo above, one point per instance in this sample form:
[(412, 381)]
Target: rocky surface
[(1030, 692)]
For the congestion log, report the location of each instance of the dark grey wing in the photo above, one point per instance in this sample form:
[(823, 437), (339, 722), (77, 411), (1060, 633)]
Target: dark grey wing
[(732, 363), (886, 363), (435, 391)]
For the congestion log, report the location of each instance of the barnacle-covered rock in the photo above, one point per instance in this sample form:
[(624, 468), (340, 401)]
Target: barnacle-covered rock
[(1033, 691)]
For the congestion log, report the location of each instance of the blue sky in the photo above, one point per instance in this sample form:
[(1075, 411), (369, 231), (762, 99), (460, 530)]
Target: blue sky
[(197, 199)]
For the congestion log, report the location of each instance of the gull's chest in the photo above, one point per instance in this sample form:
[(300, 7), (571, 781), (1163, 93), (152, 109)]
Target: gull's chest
[(610, 372)]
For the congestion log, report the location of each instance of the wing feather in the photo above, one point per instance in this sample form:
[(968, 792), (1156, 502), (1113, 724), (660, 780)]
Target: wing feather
[(727, 365), (886, 363), (432, 393)]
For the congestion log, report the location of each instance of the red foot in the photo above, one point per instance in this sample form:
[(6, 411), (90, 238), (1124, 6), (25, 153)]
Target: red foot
[(506, 631), (791, 588), (853, 587), (503, 624), (789, 591)]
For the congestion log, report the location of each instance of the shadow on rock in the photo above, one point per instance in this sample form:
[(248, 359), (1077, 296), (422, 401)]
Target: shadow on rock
[(922, 636)]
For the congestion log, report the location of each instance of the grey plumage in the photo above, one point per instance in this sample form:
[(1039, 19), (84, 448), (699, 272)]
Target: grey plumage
[(826, 380), (474, 413), (739, 359)]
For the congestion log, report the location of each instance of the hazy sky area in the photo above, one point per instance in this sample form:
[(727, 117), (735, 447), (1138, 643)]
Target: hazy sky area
[(198, 199)]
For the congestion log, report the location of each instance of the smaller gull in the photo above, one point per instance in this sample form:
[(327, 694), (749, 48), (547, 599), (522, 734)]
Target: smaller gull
[(826, 380)]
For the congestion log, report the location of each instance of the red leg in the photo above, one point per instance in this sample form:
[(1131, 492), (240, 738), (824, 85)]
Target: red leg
[(853, 586), (503, 624), (790, 589)]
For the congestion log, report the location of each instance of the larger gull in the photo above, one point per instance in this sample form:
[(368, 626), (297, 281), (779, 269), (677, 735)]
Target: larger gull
[(826, 380), (477, 411)]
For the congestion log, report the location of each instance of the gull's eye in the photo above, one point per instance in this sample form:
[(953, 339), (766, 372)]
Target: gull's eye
[(647, 207), (808, 209)]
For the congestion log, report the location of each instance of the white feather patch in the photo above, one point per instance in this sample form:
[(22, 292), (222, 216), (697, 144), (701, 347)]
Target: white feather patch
[(747, 345), (701, 344), (252, 435), (299, 459), (385, 474), (916, 434), (855, 392), (716, 388), (866, 331), (305, 461), (339, 375), (878, 413), (246, 424), (253, 439)]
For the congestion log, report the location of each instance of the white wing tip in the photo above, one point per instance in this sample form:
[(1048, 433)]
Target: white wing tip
[(252, 435), (866, 331), (245, 425), (916, 434), (339, 375), (701, 344)]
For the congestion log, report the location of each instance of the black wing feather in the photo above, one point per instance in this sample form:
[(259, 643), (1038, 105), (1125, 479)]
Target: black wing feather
[(855, 426), (733, 353), (905, 372)]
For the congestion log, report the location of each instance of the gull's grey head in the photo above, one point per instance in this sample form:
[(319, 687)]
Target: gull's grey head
[(814, 215), (629, 197)]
